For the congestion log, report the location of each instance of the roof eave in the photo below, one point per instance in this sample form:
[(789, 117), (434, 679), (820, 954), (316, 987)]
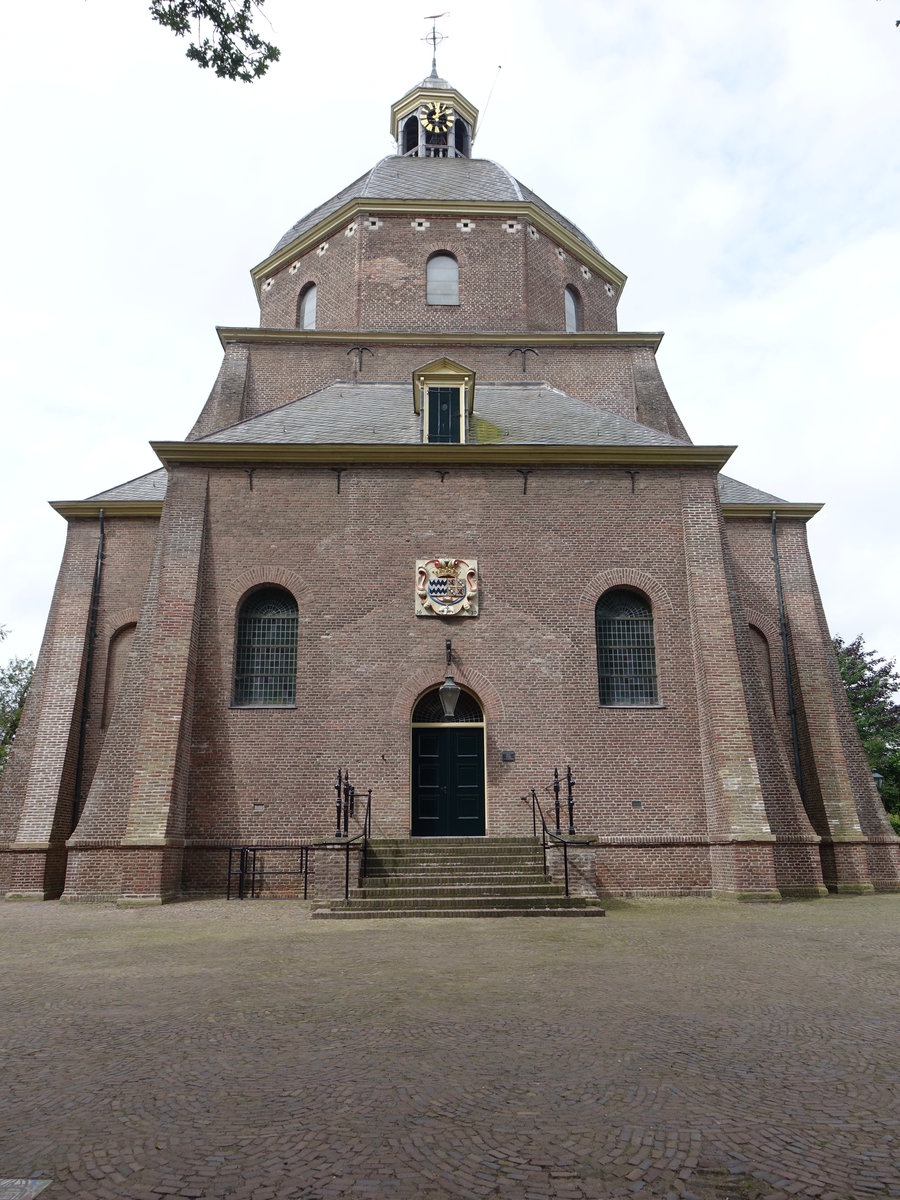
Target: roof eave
[(464, 454), (264, 336), (763, 512), (474, 208), (110, 508)]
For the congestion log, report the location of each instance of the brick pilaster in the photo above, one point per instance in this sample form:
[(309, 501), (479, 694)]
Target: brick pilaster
[(41, 792), (154, 833), (741, 851), (826, 784), (93, 869)]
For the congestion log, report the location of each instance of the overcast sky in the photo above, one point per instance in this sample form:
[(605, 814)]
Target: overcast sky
[(737, 159)]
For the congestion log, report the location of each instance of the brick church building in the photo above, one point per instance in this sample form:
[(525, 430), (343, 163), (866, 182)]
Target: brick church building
[(438, 433)]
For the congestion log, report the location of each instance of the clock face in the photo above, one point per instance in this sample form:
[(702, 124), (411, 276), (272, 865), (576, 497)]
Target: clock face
[(437, 117)]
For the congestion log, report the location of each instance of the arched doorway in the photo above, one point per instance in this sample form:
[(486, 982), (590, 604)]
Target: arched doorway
[(447, 768)]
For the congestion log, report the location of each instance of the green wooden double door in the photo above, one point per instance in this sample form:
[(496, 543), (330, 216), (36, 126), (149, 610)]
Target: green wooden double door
[(448, 781)]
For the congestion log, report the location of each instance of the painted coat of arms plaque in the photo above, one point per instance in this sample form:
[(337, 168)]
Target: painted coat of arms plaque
[(446, 587)]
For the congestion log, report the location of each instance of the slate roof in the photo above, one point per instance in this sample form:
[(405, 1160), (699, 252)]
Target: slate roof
[(399, 178), (146, 487), (382, 413), (524, 414), (732, 491)]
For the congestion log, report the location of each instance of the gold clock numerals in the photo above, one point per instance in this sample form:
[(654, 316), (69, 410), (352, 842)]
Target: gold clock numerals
[(437, 117)]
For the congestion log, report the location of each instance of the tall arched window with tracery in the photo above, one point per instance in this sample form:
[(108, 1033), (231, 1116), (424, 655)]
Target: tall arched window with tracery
[(626, 659), (265, 659)]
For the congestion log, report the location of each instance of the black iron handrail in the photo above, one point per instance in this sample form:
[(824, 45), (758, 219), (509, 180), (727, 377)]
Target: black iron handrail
[(367, 832), (546, 832), (247, 865), (247, 862)]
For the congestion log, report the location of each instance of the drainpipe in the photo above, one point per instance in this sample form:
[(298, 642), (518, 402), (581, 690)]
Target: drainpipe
[(798, 772), (92, 634)]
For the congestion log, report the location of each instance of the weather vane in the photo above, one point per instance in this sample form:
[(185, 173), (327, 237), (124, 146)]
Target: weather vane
[(435, 38)]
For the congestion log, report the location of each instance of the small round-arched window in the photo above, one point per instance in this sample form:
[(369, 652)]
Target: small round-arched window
[(573, 311), (626, 659), (442, 274), (429, 711), (410, 135), (461, 138), (306, 307), (265, 658)]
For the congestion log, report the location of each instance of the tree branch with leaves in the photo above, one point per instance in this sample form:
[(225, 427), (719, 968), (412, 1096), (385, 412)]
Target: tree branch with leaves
[(15, 679), (872, 683), (223, 35)]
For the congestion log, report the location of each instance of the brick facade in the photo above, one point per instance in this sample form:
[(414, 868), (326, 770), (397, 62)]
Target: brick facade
[(693, 795)]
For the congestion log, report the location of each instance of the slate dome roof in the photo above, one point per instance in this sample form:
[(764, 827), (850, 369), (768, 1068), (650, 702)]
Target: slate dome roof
[(399, 178)]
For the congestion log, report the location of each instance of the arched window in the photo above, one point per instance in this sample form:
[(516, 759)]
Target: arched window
[(626, 662), (573, 311), (442, 273), (411, 135), (306, 307), (265, 660), (461, 138)]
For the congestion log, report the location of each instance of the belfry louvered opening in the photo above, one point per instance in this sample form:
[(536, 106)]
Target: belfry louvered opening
[(626, 659), (265, 663)]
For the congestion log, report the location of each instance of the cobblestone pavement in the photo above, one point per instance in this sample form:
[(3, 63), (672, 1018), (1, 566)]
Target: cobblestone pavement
[(674, 1049)]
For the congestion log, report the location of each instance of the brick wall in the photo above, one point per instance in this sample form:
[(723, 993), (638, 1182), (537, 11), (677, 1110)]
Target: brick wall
[(372, 276)]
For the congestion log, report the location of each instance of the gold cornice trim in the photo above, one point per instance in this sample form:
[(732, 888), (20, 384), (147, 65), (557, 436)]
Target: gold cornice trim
[(324, 228), (264, 336), (417, 454), (763, 512), (111, 508)]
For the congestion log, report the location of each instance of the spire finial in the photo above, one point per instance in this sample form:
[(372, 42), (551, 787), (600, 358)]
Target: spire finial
[(435, 38)]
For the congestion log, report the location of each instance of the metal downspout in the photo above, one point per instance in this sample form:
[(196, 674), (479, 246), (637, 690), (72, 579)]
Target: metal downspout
[(92, 634), (798, 772)]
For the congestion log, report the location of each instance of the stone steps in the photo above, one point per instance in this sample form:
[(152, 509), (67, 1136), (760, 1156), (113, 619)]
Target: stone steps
[(351, 914), (457, 877), (458, 887)]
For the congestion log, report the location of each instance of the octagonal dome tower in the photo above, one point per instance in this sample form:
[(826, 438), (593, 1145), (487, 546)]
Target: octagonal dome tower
[(360, 260)]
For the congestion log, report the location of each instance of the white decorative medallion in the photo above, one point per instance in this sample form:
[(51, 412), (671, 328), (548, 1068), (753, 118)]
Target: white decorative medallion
[(446, 587)]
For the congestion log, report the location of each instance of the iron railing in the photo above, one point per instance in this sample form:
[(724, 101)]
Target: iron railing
[(549, 839), (554, 839), (248, 874)]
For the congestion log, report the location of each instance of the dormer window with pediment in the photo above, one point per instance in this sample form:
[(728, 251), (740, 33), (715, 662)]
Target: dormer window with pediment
[(444, 396)]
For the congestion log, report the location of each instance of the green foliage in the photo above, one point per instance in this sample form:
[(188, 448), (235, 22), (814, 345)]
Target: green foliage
[(226, 42), (14, 680), (872, 684)]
